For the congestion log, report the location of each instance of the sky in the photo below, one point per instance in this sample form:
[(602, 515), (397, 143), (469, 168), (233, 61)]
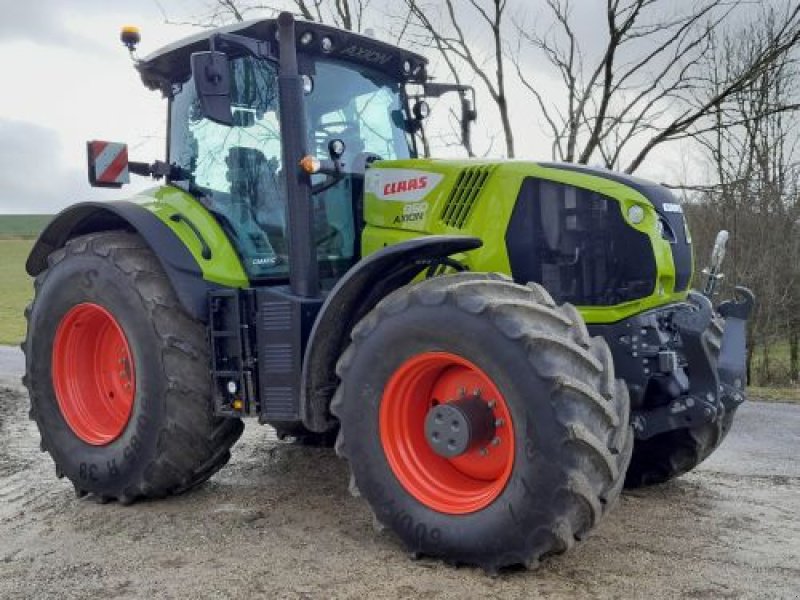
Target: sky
[(67, 79)]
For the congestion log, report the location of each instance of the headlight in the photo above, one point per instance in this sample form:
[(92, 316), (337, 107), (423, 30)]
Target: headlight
[(636, 214)]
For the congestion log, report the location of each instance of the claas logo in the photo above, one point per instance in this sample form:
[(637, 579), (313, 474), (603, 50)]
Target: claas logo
[(406, 185)]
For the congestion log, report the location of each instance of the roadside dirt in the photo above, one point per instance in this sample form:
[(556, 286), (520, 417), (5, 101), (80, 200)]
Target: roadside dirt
[(278, 522)]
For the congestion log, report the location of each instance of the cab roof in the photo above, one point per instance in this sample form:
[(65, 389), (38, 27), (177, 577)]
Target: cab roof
[(170, 64)]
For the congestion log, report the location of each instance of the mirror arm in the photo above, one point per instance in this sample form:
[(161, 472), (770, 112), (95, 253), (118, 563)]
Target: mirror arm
[(469, 111), (157, 170), (333, 169), (330, 181)]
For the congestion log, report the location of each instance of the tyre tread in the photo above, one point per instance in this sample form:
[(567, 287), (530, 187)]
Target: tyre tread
[(594, 422), (192, 443)]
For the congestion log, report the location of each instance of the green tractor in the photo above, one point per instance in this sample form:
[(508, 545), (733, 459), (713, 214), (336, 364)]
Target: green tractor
[(496, 347)]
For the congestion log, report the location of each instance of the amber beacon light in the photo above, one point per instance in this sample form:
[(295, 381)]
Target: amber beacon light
[(130, 36)]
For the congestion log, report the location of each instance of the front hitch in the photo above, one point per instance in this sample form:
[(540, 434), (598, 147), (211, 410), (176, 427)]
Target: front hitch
[(717, 366), (702, 402)]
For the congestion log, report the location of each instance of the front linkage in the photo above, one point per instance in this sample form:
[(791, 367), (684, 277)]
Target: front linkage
[(718, 371), (685, 364)]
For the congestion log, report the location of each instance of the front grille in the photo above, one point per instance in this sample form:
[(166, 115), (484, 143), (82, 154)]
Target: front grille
[(461, 202), (577, 244)]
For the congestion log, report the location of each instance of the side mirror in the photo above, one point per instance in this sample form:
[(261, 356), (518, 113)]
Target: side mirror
[(213, 83), (108, 164)]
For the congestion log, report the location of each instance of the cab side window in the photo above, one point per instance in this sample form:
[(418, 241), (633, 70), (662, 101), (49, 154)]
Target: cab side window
[(238, 169)]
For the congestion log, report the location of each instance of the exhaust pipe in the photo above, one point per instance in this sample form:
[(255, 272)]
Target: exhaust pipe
[(303, 267)]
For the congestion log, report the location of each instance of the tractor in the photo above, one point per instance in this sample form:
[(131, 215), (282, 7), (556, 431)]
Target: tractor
[(496, 347)]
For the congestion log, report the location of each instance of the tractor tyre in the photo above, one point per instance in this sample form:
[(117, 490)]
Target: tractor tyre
[(674, 453), (481, 422), (118, 374)]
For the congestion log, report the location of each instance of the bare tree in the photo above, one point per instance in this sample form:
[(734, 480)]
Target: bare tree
[(647, 87), (448, 35), (345, 14), (754, 148)]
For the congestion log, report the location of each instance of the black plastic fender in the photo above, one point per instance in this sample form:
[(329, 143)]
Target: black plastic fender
[(352, 298), (181, 268)]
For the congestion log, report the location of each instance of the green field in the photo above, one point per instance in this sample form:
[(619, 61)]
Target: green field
[(22, 226), (17, 233), (16, 288)]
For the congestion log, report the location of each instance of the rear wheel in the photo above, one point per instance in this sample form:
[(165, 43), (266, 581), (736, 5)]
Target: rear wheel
[(674, 453), (481, 422), (118, 374)]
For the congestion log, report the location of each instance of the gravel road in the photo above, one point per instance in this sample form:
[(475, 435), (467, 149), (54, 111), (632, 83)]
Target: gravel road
[(278, 522)]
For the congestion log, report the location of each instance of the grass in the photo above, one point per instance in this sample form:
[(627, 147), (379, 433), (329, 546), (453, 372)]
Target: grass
[(16, 288), (17, 233), (774, 394), (22, 226)]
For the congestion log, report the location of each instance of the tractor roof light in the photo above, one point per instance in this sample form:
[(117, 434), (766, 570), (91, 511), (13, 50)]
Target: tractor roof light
[(421, 110), (306, 38), (336, 148), (130, 36), (308, 84), (327, 44)]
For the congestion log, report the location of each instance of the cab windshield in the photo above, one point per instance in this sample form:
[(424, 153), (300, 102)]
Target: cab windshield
[(362, 108), (238, 172)]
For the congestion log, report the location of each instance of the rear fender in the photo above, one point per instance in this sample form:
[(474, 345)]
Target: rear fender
[(357, 293), (181, 267)]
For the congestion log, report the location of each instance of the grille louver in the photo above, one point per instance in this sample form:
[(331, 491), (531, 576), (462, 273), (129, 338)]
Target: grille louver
[(461, 202)]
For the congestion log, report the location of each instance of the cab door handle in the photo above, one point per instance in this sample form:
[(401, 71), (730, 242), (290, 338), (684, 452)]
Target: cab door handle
[(205, 249)]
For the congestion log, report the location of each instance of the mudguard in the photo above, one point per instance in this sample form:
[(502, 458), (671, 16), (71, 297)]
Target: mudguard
[(181, 268), (351, 299)]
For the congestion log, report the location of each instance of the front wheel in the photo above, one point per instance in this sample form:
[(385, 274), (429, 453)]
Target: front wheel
[(117, 374), (481, 422)]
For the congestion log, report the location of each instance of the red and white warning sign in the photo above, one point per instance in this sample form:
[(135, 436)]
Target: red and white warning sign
[(108, 164)]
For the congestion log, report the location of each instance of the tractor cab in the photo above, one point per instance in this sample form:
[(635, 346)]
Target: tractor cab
[(227, 147)]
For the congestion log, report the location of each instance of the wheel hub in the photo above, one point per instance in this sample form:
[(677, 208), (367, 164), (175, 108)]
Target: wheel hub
[(447, 433), (454, 428), (94, 375)]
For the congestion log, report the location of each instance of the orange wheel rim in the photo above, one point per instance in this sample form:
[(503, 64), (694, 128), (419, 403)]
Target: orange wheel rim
[(93, 374), (459, 484)]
